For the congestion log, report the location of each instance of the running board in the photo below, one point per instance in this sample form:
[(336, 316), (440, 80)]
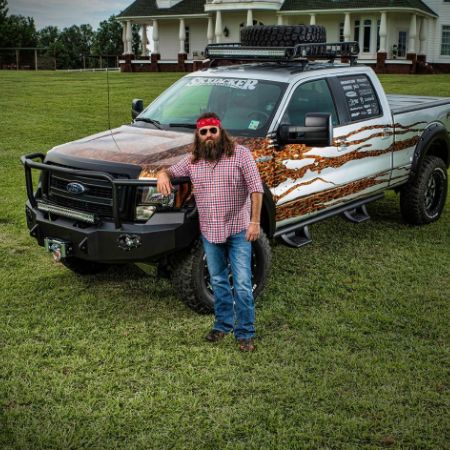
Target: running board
[(357, 215), (297, 238), (297, 235)]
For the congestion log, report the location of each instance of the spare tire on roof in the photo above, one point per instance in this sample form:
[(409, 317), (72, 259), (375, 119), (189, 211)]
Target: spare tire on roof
[(282, 35)]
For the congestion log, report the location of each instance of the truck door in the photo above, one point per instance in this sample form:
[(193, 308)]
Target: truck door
[(357, 164)]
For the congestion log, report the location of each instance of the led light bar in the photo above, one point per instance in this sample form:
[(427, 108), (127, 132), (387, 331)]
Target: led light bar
[(325, 50), (247, 53), (67, 212)]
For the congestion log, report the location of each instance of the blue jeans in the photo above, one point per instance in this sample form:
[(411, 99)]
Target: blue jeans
[(234, 309)]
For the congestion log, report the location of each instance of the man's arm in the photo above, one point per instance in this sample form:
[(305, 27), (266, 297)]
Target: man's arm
[(180, 169), (164, 184), (254, 228)]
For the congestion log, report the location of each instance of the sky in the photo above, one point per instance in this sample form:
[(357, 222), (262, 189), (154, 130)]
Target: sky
[(64, 13)]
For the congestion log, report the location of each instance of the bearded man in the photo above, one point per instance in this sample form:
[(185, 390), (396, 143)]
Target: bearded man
[(228, 194)]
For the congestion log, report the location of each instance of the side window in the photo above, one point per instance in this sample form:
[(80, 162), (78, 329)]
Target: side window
[(310, 97), (360, 97)]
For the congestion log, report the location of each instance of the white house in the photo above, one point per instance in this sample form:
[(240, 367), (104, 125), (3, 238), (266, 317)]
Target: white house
[(394, 35)]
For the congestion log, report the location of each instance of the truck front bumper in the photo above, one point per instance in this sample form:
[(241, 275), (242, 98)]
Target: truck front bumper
[(162, 234)]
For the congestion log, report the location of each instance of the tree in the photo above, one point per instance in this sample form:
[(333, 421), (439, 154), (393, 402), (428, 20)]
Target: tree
[(108, 39), (3, 10), (17, 31)]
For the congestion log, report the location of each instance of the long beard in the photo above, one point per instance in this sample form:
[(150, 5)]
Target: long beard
[(210, 150)]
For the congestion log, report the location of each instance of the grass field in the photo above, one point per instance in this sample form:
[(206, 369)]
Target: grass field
[(354, 329)]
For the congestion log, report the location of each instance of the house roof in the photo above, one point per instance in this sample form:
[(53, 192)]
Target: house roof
[(293, 5), (149, 8), (144, 8)]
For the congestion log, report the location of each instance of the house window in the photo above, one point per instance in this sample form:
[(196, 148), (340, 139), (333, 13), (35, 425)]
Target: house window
[(445, 46), (402, 37), (378, 34), (255, 22), (367, 35), (341, 32), (186, 42), (356, 31)]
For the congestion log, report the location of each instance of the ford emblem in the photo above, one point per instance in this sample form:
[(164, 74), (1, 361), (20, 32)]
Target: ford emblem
[(75, 188)]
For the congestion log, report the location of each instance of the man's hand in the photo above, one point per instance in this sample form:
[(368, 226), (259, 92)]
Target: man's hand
[(164, 185), (253, 231)]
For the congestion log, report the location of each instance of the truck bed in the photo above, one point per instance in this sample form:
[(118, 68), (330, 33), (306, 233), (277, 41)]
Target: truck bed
[(409, 103)]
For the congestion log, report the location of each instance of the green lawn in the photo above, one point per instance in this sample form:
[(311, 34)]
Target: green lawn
[(354, 329)]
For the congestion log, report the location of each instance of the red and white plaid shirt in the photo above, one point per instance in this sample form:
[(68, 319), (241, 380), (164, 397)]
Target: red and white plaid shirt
[(222, 191)]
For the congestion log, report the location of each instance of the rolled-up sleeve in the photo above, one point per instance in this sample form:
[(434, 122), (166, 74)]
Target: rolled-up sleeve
[(181, 168), (250, 171)]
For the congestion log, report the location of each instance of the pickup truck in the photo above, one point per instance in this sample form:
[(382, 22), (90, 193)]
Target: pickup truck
[(325, 137)]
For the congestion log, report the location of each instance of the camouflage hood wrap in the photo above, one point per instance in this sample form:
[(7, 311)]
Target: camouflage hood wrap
[(148, 148)]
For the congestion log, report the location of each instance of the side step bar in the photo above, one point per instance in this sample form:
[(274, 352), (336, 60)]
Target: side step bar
[(297, 235), (357, 215)]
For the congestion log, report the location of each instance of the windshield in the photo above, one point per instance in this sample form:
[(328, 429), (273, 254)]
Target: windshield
[(245, 106)]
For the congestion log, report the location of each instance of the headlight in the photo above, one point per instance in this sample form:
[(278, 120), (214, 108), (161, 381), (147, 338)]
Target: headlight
[(149, 199), (150, 196)]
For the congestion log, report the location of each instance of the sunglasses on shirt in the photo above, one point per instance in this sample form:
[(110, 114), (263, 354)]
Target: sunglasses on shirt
[(212, 130)]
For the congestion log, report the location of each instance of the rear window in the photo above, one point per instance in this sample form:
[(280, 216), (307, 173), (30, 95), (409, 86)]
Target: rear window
[(360, 96)]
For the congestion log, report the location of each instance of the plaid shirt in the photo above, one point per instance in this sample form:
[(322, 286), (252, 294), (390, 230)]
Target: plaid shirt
[(222, 191)]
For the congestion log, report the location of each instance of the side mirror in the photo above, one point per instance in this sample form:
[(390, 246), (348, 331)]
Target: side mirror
[(317, 132), (137, 106)]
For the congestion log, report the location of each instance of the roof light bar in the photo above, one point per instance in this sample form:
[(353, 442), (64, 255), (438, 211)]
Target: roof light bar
[(67, 212), (247, 52), (328, 50)]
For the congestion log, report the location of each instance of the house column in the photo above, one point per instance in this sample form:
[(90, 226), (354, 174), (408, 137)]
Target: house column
[(129, 38), (280, 19), (144, 50), (412, 34), (411, 53), (249, 18), (347, 28), (219, 33), (382, 52), (210, 32), (182, 56), (423, 36), (312, 19), (155, 56), (422, 57)]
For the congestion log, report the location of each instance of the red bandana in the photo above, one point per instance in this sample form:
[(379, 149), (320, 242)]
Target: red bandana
[(210, 121)]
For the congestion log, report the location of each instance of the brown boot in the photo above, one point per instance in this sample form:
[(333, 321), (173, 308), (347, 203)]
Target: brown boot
[(215, 336), (247, 345)]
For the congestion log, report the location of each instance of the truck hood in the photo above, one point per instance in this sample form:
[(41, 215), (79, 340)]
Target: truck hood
[(150, 149)]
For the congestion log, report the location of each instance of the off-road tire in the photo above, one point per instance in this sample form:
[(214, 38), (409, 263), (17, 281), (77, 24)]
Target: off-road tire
[(282, 35), (82, 267), (190, 275), (423, 198)]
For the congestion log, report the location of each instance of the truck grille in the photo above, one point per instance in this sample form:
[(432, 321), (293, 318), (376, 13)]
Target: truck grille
[(96, 198)]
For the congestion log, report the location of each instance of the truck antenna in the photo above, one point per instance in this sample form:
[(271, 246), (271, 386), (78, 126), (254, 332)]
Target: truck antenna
[(109, 113)]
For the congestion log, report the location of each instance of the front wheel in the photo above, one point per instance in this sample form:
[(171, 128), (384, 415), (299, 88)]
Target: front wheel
[(422, 200), (190, 276)]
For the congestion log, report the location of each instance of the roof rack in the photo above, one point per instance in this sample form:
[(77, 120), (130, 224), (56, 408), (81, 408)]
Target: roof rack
[(299, 52)]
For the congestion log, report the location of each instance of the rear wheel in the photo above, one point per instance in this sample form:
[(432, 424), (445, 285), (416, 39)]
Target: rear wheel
[(82, 267), (422, 200), (190, 275)]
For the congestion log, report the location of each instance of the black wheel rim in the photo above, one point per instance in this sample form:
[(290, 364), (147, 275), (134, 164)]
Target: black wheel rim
[(433, 192)]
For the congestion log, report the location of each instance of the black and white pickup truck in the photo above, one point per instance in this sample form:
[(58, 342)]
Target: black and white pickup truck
[(325, 137)]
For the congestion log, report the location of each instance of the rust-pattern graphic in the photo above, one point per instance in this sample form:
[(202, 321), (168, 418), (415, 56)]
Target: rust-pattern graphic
[(155, 149)]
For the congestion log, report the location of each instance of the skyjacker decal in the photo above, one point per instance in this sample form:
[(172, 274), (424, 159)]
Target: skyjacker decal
[(226, 82)]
